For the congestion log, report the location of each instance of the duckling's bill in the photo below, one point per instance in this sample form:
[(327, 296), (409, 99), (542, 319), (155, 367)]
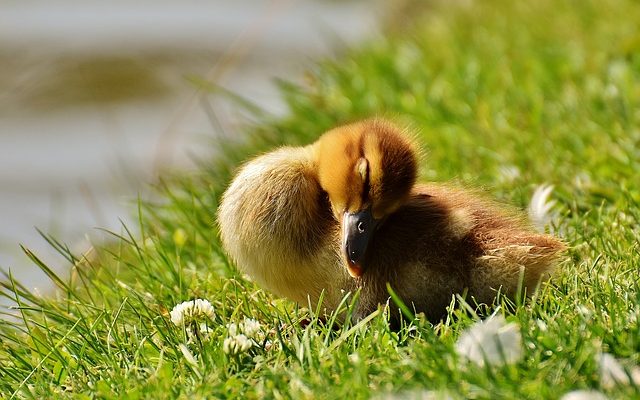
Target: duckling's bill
[(357, 231)]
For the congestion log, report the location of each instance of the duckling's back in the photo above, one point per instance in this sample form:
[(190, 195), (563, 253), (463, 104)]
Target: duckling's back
[(277, 226)]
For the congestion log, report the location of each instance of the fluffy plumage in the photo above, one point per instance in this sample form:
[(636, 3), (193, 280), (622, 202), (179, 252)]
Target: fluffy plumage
[(276, 224), (301, 220)]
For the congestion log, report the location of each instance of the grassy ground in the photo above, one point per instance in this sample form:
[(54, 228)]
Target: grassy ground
[(506, 96)]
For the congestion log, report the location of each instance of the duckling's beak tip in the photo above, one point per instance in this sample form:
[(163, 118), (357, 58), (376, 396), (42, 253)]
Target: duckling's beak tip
[(355, 270), (357, 230)]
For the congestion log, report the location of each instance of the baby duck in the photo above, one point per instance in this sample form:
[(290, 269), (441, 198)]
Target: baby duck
[(426, 241), (300, 221)]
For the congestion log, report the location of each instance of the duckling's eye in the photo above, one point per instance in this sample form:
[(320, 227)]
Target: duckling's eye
[(362, 167), (361, 227), (363, 170)]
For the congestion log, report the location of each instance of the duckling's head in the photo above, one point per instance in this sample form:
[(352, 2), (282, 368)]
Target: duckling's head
[(368, 170)]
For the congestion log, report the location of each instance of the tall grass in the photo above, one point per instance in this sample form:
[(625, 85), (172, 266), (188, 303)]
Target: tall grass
[(505, 96)]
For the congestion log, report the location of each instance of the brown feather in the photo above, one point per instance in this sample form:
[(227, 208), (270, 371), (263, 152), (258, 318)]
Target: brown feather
[(444, 240)]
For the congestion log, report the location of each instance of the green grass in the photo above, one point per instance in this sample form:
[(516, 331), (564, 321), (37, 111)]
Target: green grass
[(550, 89)]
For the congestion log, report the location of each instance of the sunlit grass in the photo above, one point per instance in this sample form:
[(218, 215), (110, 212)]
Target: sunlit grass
[(505, 97)]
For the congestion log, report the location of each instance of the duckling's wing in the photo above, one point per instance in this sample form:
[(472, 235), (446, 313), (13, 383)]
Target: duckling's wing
[(505, 247)]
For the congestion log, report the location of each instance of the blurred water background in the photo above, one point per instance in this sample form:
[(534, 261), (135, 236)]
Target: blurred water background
[(95, 100)]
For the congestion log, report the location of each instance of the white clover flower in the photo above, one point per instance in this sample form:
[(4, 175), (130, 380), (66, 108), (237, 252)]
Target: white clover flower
[(191, 311), (232, 328), (251, 328), (540, 207), (418, 394), (236, 344), (584, 395), (635, 375), (612, 373), (242, 336), (493, 341)]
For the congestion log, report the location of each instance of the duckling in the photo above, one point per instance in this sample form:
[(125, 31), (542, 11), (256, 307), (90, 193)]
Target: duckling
[(345, 213), (427, 241)]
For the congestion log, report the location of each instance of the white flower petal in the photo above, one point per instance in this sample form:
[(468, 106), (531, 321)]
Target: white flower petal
[(541, 325), (584, 395), (414, 395), (177, 315), (611, 372), (540, 207), (251, 328), (635, 376), (244, 342), (494, 341), (228, 346), (205, 329), (193, 310), (233, 329), (236, 344)]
